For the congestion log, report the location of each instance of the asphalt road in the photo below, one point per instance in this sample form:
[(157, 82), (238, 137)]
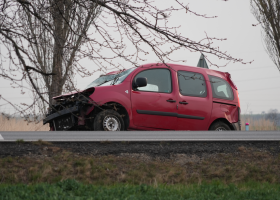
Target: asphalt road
[(93, 136)]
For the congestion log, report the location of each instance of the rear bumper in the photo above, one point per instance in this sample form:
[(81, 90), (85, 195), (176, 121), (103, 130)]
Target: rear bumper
[(237, 126)]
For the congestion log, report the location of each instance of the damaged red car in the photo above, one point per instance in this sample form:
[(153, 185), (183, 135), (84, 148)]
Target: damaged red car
[(151, 97)]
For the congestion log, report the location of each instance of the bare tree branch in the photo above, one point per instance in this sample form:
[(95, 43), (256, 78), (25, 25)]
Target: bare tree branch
[(267, 12)]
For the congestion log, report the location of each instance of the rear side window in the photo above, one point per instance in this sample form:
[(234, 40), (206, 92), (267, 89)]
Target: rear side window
[(220, 88), (159, 80), (192, 84)]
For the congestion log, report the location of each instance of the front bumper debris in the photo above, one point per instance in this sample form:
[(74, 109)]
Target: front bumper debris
[(60, 113)]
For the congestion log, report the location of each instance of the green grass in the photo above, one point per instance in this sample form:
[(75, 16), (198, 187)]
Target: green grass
[(71, 189)]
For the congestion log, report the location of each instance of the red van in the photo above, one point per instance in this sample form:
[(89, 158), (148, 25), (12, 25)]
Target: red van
[(151, 97)]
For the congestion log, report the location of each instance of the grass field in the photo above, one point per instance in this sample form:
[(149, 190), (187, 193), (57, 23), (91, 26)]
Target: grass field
[(56, 164), (245, 174), (71, 189)]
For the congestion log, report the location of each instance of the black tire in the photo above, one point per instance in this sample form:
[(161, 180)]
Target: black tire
[(219, 126), (107, 120)]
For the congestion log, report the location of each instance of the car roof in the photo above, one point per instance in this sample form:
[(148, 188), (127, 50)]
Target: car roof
[(178, 67), (114, 72)]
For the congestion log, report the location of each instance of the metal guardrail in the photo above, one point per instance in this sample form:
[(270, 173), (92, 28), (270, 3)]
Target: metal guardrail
[(93, 136)]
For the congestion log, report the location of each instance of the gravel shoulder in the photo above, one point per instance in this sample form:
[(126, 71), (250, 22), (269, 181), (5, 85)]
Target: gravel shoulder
[(153, 149)]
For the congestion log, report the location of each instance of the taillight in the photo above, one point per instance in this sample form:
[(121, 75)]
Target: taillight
[(230, 81)]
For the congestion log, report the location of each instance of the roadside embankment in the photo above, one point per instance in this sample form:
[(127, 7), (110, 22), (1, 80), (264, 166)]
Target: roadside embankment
[(105, 163)]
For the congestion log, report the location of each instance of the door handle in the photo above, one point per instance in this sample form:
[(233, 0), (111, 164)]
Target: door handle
[(171, 100), (183, 102)]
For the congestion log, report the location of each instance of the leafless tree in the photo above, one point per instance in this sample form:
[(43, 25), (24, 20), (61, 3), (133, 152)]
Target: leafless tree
[(45, 39), (267, 12)]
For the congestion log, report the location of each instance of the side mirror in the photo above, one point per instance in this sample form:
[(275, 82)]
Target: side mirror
[(140, 82)]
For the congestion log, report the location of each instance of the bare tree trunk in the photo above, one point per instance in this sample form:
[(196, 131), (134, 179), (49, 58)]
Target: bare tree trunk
[(56, 84)]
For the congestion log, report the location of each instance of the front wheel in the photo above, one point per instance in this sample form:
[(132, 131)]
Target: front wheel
[(219, 126), (108, 120)]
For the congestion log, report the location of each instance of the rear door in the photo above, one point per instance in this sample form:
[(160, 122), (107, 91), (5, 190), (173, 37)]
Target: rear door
[(194, 101), (154, 106)]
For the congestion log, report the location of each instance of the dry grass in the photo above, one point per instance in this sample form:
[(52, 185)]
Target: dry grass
[(56, 165), (13, 124), (258, 124), (42, 142)]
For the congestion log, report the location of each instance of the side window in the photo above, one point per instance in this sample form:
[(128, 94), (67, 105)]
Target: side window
[(220, 88), (192, 84), (159, 80)]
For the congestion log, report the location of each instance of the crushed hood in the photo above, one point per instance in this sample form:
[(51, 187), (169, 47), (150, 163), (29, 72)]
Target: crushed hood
[(63, 96)]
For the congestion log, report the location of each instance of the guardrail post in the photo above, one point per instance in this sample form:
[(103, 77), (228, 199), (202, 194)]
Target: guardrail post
[(247, 126)]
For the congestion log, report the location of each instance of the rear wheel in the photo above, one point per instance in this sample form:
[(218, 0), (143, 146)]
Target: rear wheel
[(108, 120), (219, 126)]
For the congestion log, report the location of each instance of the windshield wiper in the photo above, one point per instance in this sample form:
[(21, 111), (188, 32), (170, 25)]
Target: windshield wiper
[(116, 79)]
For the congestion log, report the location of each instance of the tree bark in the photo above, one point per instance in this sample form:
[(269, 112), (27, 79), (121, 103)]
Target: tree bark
[(59, 41)]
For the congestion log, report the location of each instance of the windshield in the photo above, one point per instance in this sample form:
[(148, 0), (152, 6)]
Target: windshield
[(113, 79)]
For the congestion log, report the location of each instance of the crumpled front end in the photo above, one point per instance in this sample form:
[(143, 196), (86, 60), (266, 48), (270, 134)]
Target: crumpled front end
[(70, 111)]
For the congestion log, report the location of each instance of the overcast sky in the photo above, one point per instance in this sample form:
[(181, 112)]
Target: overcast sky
[(258, 83)]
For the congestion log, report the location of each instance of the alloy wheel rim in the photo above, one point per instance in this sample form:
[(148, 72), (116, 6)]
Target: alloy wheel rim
[(220, 129)]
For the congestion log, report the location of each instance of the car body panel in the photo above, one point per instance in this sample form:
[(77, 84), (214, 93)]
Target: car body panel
[(197, 107), (151, 109), (226, 111), (113, 93)]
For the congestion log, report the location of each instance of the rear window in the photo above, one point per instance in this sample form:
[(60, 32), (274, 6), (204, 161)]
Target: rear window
[(220, 88)]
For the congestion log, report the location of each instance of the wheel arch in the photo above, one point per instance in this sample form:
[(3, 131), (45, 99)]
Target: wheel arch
[(113, 106), (222, 120)]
